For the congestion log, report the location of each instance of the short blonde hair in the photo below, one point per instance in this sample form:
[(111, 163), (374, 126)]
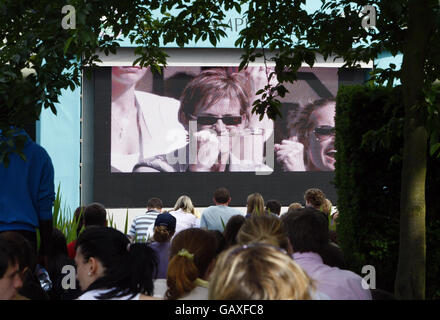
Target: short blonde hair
[(185, 203), (258, 272)]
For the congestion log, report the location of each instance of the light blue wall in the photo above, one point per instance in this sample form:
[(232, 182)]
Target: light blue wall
[(60, 136)]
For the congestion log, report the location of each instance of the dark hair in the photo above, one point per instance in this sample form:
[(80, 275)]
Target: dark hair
[(222, 195), (307, 229), (155, 203), (95, 215), (209, 87), (129, 268), (9, 254), (315, 197), (231, 229), (25, 253), (183, 270), (274, 206), (221, 241)]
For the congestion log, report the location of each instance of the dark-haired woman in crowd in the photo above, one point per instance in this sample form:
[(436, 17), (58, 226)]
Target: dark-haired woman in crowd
[(164, 228), (109, 267)]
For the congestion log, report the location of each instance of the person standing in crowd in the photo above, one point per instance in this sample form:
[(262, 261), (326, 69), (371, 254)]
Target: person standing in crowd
[(255, 205), (218, 105), (312, 148), (139, 228), (109, 267), (216, 217), (164, 229), (307, 230), (192, 257), (185, 214), (27, 194), (274, 207), (258, 271), (94, 214)]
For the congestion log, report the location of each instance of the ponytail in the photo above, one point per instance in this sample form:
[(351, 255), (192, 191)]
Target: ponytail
[(192, 251), (181, 276), (162, 234)]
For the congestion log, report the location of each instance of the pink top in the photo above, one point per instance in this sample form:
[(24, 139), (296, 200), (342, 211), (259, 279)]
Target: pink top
[(338, 284)]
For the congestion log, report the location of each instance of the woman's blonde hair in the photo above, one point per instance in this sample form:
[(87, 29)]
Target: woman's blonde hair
[(263, 229), (185, 203), (258, 272), (255, 204)]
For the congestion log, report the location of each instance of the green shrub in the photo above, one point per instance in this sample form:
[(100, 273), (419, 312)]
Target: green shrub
[(367, 179)]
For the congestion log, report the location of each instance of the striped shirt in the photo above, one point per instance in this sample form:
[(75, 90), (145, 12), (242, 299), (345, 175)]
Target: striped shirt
[(139, 227)]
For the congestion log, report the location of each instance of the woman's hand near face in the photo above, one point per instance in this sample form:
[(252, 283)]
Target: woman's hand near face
[(209, 148), (290, 153)]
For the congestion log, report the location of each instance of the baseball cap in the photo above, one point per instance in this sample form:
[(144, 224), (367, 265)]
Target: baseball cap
[(166, 219)]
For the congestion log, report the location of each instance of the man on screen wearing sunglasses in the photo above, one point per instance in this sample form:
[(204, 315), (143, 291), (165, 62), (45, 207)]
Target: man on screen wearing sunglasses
[(313, 147), (214, 108)]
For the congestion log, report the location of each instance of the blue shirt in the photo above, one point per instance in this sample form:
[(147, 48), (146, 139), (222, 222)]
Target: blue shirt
[(26, 188), (214, 217)]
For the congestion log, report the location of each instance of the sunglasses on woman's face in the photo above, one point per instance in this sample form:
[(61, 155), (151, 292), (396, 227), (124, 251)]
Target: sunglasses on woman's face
[(210, 120), (324, 132)]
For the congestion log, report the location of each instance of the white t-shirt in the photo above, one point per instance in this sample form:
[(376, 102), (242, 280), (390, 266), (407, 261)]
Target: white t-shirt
[(185, 220)]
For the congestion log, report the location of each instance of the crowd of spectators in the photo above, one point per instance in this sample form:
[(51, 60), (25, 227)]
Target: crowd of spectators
[(223, 253)]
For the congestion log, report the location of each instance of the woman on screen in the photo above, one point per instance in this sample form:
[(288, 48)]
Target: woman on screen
[(141, 122), (215, 110), (313, 146)]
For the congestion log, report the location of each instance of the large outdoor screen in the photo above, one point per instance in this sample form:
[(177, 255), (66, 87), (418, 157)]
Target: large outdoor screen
[(191, 129)]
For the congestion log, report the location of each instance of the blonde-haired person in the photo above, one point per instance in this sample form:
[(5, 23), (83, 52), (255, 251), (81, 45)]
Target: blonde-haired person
[(185, 214), (192, 256), (254, 205), (258, 272), (264, 229)]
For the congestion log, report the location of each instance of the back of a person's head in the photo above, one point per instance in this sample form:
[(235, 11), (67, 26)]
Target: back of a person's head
[(192, 251), (154, 203), (164, 227), (128, 268), (222, 195), (258, 272), (255, 204), (315, 197), (184, 203), (294, 206), (326, 207), (95, 215), (231, 229), (263, 229), (59, 243), (307, 229), (273, 206)]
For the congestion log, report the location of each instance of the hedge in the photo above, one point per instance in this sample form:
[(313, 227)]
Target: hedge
[(367, 180)]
